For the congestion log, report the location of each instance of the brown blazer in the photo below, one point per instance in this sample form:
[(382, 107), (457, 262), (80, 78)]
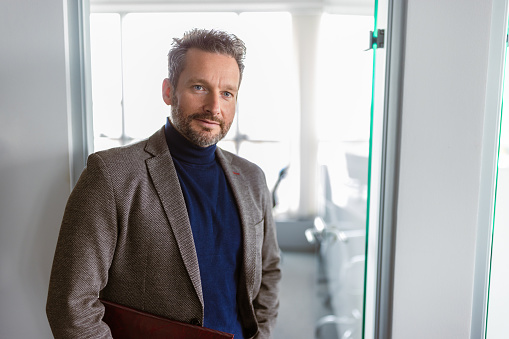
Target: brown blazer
[(126, 237)]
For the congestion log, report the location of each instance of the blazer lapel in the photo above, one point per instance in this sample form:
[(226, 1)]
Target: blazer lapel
[(165, 179), (241, 193)]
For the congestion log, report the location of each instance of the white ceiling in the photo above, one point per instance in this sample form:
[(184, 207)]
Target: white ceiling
[(361, 7)]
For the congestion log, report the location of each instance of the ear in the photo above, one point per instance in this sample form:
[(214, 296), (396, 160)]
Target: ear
[(167, 91)]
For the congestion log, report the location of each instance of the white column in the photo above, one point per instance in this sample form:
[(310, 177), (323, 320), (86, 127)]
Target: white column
[(306, 30)]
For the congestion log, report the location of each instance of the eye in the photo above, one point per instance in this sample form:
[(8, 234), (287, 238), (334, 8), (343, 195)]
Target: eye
[(198, 87), (228, 94)]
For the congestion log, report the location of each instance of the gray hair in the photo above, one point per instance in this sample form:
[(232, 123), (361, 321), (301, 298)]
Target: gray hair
[(206, 40)]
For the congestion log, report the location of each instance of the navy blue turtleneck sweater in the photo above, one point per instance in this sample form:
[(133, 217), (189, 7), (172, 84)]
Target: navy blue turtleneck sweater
[(216, 228)]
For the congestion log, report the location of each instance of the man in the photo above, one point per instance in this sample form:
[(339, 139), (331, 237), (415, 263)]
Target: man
[(173, 225)]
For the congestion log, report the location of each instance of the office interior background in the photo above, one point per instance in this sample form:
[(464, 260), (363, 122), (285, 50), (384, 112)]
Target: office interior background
[(397, 156)]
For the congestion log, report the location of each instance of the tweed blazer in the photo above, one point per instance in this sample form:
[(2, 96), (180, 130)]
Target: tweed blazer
[(126, 237)]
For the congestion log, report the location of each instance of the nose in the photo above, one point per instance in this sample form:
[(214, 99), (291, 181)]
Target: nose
[(212, 104)]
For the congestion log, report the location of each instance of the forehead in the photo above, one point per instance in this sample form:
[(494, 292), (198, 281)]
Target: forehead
[(209, 66)]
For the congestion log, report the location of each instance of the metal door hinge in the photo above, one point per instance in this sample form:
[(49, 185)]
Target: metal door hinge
[(379, 40)]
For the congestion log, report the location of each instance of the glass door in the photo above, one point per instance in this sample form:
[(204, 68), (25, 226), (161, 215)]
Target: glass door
[(498, 293)]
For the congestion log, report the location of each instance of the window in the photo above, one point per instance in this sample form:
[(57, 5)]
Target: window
[(129, 62), (343, 106), (305, 101)]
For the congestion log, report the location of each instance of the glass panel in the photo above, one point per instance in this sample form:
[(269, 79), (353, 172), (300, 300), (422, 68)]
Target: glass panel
[(344, 114), (498, 309)]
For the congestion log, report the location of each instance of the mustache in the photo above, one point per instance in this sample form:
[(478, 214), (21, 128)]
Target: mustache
[(207, 116)]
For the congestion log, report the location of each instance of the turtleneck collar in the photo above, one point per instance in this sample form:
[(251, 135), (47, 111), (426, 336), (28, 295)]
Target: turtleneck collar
[(184, 150)]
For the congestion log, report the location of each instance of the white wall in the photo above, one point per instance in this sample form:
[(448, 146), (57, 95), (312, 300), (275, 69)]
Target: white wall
[(444, 85), (34, 160)]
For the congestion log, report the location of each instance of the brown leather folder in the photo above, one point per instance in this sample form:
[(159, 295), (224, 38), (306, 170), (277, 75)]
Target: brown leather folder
[(128, 323)]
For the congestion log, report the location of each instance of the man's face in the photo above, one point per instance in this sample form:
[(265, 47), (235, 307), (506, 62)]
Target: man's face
[(203, 104)]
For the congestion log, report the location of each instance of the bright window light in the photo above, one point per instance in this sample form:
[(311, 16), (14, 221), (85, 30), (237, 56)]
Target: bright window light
[(106, 77), (344, 104), (129, 63)]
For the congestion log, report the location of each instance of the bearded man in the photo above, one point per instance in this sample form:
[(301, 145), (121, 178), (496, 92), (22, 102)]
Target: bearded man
[(173, 225)]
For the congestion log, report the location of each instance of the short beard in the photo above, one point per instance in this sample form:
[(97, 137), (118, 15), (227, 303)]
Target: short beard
[(203, 138)]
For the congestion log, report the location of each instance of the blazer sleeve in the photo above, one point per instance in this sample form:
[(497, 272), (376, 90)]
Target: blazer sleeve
[(84, 252), (266, 303)]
